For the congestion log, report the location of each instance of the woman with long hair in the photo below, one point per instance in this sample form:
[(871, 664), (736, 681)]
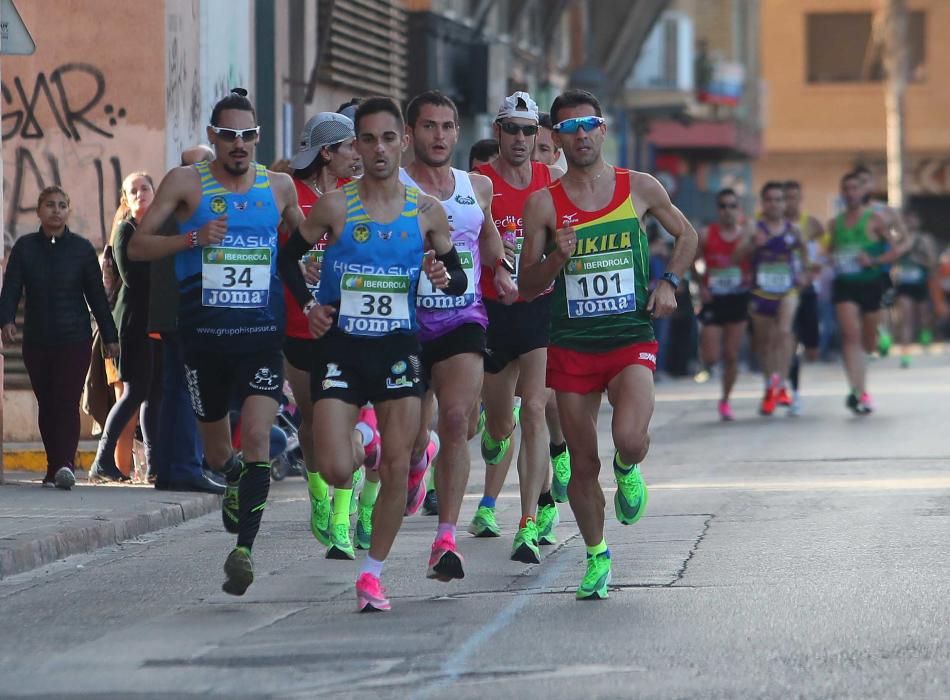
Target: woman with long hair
[(138, 352), (60, 274)]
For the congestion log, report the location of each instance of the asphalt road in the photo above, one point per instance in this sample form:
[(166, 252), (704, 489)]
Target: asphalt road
[(782, 557)]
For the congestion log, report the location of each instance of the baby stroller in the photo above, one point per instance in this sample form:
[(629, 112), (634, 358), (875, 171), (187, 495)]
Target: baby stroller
[(286, 458), (289, 461)]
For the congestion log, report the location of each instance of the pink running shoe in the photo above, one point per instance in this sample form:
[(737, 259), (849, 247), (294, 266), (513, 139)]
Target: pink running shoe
[(368, 416), (416, 493), (445, 562), (370, 594), (865, 403), (725, 411)]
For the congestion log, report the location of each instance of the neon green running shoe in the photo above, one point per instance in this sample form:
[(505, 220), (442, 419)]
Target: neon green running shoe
[(926, 337), (320, 519), (239, 570), (594, 584), (525, 547), (548, 519), (561, 466), (483, 524), (340, 545), (630, 499), (357, 480), (884, 341), (364, 527), (493, 452)]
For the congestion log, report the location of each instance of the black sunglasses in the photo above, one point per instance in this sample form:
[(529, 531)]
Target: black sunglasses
[(723, 205), (512, 128), (246, 135)]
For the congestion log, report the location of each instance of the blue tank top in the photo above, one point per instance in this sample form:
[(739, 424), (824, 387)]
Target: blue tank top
[(231, 297), (371, 272)]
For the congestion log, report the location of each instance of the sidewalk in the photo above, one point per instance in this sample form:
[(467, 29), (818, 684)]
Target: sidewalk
[(39, 526)]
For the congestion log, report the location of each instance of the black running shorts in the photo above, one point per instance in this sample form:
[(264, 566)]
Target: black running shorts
[(515, 330), (367, 370), (217, 380), (725, 309)]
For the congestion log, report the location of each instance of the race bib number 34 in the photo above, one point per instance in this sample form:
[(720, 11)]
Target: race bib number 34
[(374, 305), (235, 278), (429, 297), (600, 285)]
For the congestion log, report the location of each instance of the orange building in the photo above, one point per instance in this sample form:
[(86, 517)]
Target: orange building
[(823, 108)]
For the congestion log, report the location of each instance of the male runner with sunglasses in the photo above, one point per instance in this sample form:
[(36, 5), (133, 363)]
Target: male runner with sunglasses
[(517, 339), (588, 225), (231, 314), (724, 288)]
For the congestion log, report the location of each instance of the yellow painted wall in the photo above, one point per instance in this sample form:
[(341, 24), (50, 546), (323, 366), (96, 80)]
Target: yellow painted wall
[(847, 117)]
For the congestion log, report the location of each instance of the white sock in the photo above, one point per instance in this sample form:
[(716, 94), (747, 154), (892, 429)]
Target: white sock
[(371, 566)]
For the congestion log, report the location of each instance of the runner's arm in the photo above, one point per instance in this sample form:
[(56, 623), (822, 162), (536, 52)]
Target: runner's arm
[(540, 224), (148, 243), (887, 231), (323, 219), (490, 246), (662, 301), (441, 262)]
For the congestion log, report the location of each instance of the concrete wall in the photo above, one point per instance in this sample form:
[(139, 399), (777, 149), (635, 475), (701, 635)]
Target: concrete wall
[(85, 109)]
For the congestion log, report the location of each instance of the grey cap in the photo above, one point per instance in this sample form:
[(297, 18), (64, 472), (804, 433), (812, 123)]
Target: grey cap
[(322, 129), (518, 105)]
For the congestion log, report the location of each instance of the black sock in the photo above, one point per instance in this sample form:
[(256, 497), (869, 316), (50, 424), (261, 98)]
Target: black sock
[(558, 449), (793, 372), (252, 495), (545, 499)]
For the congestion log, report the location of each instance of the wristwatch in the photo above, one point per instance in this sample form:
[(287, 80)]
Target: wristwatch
[(672, 279), (505, 263)]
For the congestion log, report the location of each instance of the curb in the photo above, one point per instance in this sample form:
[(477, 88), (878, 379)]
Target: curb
[(91, 534), (35, 460)]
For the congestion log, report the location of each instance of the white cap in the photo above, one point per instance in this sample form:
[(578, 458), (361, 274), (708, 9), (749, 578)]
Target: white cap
[(518, 105), (322, 129)]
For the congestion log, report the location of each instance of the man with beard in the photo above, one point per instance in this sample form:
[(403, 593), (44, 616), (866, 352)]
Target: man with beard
[(231, 313), (451, 329)]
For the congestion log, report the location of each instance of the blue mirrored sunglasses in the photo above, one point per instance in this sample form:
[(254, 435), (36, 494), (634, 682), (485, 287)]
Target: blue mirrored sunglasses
[(570, 126)]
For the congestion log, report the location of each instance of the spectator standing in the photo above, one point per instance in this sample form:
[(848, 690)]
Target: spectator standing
[(141, 390), (60, 274)]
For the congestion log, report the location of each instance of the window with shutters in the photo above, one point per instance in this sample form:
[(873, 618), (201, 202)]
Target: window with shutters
[(363, 46)]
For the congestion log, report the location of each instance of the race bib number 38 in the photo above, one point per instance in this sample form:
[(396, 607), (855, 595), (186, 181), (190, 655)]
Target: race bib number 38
[(235, 278), (429, 297), (374, 305), (600, 285)]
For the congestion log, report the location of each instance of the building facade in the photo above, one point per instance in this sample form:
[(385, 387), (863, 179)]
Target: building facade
[(825, 113)]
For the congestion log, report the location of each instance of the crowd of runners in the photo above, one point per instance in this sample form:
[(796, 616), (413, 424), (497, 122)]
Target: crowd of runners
[(412, 309)]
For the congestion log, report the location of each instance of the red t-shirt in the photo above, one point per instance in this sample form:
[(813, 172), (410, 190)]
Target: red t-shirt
[(507, 207), (297, 326)]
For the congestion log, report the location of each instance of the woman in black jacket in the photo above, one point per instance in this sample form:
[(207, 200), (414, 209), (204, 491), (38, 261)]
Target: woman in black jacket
[(60, 274), (137, 352)]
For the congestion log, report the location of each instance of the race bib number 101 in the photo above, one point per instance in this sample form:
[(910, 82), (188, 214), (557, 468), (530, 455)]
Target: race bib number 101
[(600, 285), (236, 278)]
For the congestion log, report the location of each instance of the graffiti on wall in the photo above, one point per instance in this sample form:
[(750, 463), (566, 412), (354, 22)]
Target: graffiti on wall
[(54, 123)]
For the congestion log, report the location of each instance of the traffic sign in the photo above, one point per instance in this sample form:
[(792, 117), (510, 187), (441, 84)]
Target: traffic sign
[(14, 36)]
